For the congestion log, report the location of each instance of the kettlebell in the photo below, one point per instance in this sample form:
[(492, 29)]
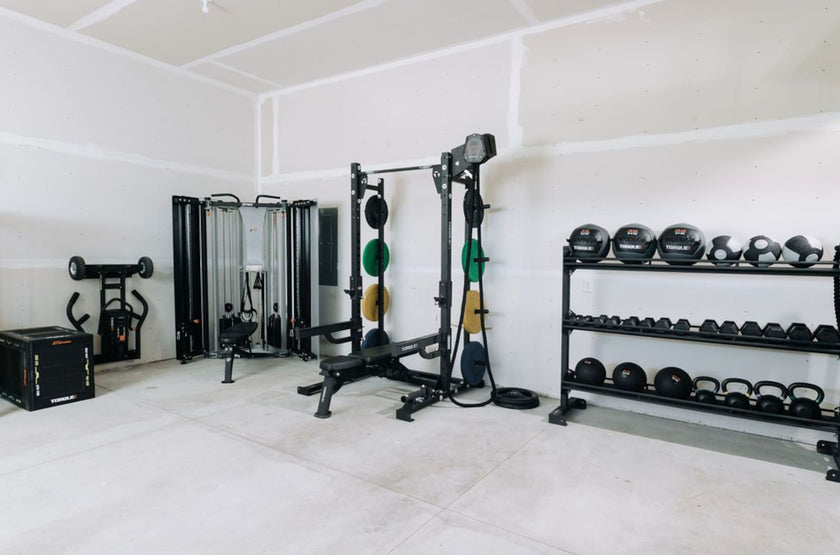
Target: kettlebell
[(673, 382), (736, 399), (803, 407), (706, 395), (770, 403)]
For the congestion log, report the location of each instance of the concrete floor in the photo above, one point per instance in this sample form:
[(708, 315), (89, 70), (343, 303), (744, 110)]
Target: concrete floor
[(168, 460)]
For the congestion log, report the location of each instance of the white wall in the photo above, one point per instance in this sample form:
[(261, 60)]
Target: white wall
[(93, 145), (722, 114)]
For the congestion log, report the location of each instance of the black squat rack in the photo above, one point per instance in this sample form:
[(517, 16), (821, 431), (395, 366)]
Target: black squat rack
[(460, 165), (829, 420)]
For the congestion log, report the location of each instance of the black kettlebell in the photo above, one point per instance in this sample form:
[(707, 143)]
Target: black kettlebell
[(629, 376), (706, 395), (736, 399), (803, 407), (770, 403), (590, 371), (673, 382)]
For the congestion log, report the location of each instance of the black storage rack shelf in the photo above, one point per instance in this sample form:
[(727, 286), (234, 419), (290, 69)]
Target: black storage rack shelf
[(704, 337), (819, 269), (830, 421)]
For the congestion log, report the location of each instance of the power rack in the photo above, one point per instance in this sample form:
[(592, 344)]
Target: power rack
[(460, 165)]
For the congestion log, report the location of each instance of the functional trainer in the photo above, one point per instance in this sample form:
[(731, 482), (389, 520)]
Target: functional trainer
[(243, 277), (460, 165)]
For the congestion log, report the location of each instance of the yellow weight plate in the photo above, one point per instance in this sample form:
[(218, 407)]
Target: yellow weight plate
[(472, 320), (370, 300)]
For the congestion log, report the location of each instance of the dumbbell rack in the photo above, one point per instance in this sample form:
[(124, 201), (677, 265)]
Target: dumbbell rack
[(830, 421)]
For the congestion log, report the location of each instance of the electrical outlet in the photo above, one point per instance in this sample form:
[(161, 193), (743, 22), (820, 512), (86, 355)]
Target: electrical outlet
[(587, 286)]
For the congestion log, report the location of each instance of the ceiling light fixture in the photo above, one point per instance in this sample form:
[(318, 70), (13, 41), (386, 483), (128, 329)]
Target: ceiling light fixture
[(205, 5)]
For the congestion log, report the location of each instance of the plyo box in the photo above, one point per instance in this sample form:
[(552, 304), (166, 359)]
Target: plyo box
[(46, 366)]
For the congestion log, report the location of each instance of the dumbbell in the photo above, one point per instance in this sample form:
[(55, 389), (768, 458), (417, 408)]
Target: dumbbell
[(799, 332), (709, 326), (751, 328), (682, 326), (774, 331), (728, 328), (603, 319), (588, 319), (614, 321), (663, 324), (631, 322), (647, 323), (827, 334)]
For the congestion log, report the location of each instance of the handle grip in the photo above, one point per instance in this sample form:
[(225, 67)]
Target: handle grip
[(709, 379), (803, 385), (742, 381)]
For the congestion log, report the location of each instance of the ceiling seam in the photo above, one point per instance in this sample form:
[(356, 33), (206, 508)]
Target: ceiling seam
[(567, 21), (288, 31), (103, 13), (525, 11), (80, 38), (242, 73)]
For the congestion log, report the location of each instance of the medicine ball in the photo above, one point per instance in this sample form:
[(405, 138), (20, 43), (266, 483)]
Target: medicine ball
[(634, 242), (590, 371), (762, 251), (629, 376), (681, 244), (589, 242), (673, 382), (802, 251), (724, 250)]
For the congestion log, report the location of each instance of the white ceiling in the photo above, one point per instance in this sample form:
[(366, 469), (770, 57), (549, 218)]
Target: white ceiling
[(264, 45)]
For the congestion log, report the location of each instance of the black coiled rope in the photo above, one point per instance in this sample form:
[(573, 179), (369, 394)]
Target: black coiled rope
[(505, 397)]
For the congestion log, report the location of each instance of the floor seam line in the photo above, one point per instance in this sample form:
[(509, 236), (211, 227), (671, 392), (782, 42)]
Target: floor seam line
[(314, 462), (495, 467)]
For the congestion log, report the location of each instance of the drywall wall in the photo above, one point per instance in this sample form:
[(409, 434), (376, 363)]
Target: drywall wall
[(92, 147), (723, 115)]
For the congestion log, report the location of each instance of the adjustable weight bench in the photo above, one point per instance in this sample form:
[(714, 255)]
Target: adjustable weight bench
[(382, 361), (233, 341)]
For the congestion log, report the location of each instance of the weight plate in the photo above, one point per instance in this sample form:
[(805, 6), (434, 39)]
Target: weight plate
[(370, 257), (370, 300), (376, 212), (473, 362), (475, 269), (472, 320), (475, 215), (375, 338)]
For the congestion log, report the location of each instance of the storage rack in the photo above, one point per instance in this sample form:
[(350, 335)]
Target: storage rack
[(830, 420)]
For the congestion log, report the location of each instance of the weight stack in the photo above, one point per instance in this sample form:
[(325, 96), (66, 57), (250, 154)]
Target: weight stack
[(45, 367)]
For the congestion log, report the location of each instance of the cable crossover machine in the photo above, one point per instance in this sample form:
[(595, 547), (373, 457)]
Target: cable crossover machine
[(375, 354), (244, 277)]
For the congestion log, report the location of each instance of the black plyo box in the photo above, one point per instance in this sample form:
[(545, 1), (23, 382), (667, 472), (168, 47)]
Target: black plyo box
[(45, 367)]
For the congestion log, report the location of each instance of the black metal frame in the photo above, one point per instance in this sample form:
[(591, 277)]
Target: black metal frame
[(299, 272), (107, 274), (189, 252), (433, 387), (830, 421), (189, 232)]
